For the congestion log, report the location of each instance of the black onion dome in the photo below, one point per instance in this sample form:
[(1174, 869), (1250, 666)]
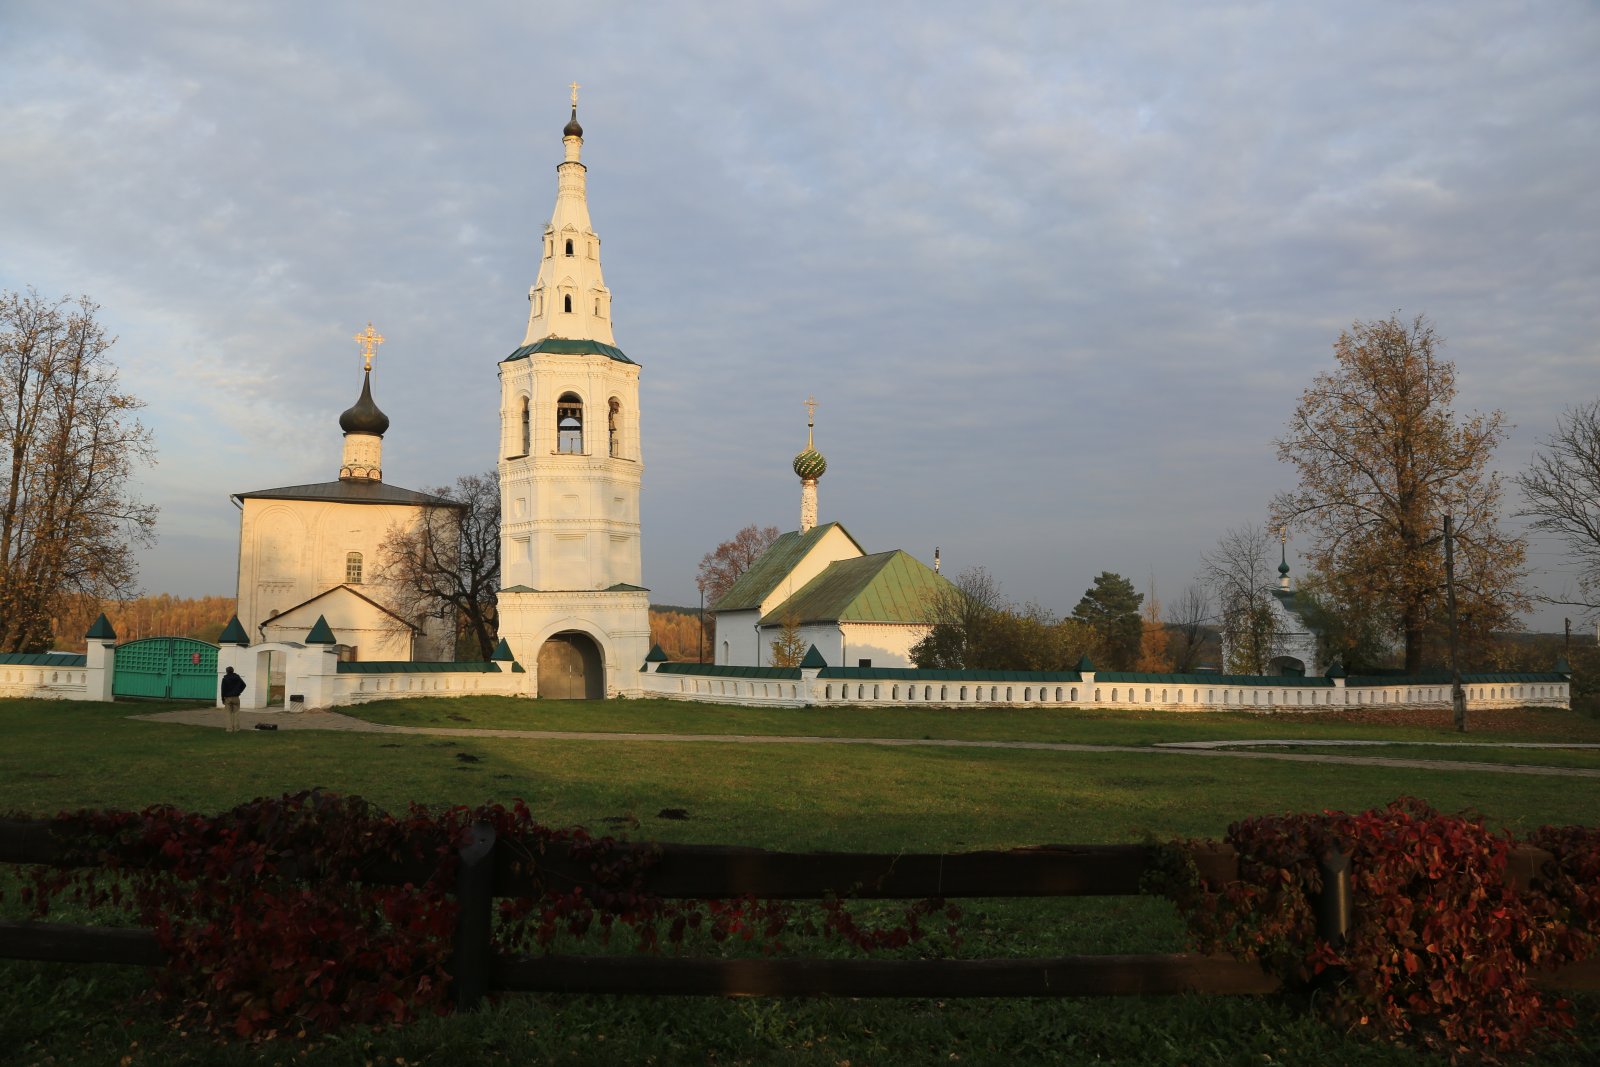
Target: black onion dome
[(365, 416), (572, 129)]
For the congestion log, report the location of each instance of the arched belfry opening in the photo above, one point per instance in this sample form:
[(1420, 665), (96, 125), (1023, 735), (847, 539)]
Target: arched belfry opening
[(526, 437), (569, 424), (571, 668), (614, 427)]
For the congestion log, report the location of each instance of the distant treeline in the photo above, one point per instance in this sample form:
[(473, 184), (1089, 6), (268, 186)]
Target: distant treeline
[(163, 615), (677, 630)]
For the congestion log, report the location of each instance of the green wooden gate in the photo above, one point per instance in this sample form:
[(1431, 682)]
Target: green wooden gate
[(166, 668)]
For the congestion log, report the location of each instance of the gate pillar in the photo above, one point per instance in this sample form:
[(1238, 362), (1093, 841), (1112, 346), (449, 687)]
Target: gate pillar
[(100, 668)]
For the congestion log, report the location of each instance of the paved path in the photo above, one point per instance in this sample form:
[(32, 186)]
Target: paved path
[(329, 720)]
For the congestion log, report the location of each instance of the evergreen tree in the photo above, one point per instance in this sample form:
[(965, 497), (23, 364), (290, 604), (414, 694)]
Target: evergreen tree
[(1111, 608)]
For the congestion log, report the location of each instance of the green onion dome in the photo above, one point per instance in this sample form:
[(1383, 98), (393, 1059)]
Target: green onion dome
[(810, 465)]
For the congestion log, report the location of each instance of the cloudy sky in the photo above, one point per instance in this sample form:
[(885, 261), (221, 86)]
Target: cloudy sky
[(1056, 273)]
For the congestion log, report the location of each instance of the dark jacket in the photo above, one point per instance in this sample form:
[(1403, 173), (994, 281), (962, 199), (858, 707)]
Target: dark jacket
[(232, 685)]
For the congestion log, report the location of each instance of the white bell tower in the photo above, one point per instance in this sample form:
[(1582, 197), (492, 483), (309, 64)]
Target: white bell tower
[(571, 604)]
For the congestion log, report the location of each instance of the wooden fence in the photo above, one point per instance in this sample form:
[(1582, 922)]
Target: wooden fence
[(490, 868)]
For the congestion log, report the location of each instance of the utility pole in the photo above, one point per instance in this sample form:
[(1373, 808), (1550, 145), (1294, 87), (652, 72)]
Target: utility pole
[(1458, 698)]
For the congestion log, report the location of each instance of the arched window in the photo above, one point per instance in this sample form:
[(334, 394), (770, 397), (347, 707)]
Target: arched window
[(566, 303), (527, 428), (569, 252), (569, 424), (614, 424), (352, 568)]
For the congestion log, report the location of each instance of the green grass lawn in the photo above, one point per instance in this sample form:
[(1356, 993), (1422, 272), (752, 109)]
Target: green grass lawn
[(64, 755)]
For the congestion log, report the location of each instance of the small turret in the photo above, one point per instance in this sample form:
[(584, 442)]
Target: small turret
[(363, 424), (809, 466)]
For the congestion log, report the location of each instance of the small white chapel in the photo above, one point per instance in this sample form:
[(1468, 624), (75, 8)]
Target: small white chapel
[(308, 551)]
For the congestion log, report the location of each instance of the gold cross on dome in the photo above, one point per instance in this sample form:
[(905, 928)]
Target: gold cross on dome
[(575, 87), (811, 410), (368, 339)]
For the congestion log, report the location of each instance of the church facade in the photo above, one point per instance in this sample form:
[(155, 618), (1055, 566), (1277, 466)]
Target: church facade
[(310, 551), (571, 605)]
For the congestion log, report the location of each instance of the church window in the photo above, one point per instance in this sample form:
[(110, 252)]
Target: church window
[(352, 568), (569, 423), (597, 307), (566, 303), (613, 422), (527, 428), (569, 252)]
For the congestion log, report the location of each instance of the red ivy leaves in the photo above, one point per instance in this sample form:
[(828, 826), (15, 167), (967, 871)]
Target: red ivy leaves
[(1441, 951), (269, 927)]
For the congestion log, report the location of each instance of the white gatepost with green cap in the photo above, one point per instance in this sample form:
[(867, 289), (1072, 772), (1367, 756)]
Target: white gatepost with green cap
[(100, 660)]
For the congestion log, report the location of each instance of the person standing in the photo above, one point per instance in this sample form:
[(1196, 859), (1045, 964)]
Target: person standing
[(232, 686)]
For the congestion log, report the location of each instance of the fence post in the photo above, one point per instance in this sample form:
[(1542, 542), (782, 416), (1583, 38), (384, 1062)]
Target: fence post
[(470, 959), (1333, 904)]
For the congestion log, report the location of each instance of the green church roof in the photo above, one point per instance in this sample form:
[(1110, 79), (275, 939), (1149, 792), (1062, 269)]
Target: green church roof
[(757, 583), (562, 346), (882, 587)]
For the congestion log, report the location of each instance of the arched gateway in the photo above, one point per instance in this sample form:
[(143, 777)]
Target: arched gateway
[(571, 668)]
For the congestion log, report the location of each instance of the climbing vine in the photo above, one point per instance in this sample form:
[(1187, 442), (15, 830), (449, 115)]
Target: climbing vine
[(272, 920)]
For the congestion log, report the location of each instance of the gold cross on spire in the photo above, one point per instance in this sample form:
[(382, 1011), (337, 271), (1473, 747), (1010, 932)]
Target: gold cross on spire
[(811, 417), (368, 339), (575, 87)]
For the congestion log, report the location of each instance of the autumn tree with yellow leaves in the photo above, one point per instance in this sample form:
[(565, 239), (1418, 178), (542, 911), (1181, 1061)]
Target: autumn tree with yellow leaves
[(1382, 458)]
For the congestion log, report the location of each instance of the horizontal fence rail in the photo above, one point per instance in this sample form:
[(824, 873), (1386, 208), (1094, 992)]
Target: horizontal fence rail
[(510, 867)]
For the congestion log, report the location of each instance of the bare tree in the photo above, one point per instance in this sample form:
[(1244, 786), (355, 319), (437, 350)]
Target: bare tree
[(1562, 493), (963, 614), (447, 564), (68, 443), (1239, 570), (1188, 625), (723, 565)]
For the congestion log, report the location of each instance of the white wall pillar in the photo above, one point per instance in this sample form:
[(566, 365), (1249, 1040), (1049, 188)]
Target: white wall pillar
[(100, 667)]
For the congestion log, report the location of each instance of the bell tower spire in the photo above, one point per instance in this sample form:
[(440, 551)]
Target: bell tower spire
[(570, 299)]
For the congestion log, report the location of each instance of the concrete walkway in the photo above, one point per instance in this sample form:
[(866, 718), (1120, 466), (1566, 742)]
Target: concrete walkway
[(330, 720)]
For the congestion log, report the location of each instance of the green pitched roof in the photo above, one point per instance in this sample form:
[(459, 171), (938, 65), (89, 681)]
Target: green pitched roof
[(813, 660), (882, 587), (757, 583), (656, 655), (321, 633), (101, 630), (502, 652), (562, 346), (233, 633)]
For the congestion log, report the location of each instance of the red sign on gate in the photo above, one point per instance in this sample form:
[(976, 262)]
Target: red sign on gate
[(195, 659)]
